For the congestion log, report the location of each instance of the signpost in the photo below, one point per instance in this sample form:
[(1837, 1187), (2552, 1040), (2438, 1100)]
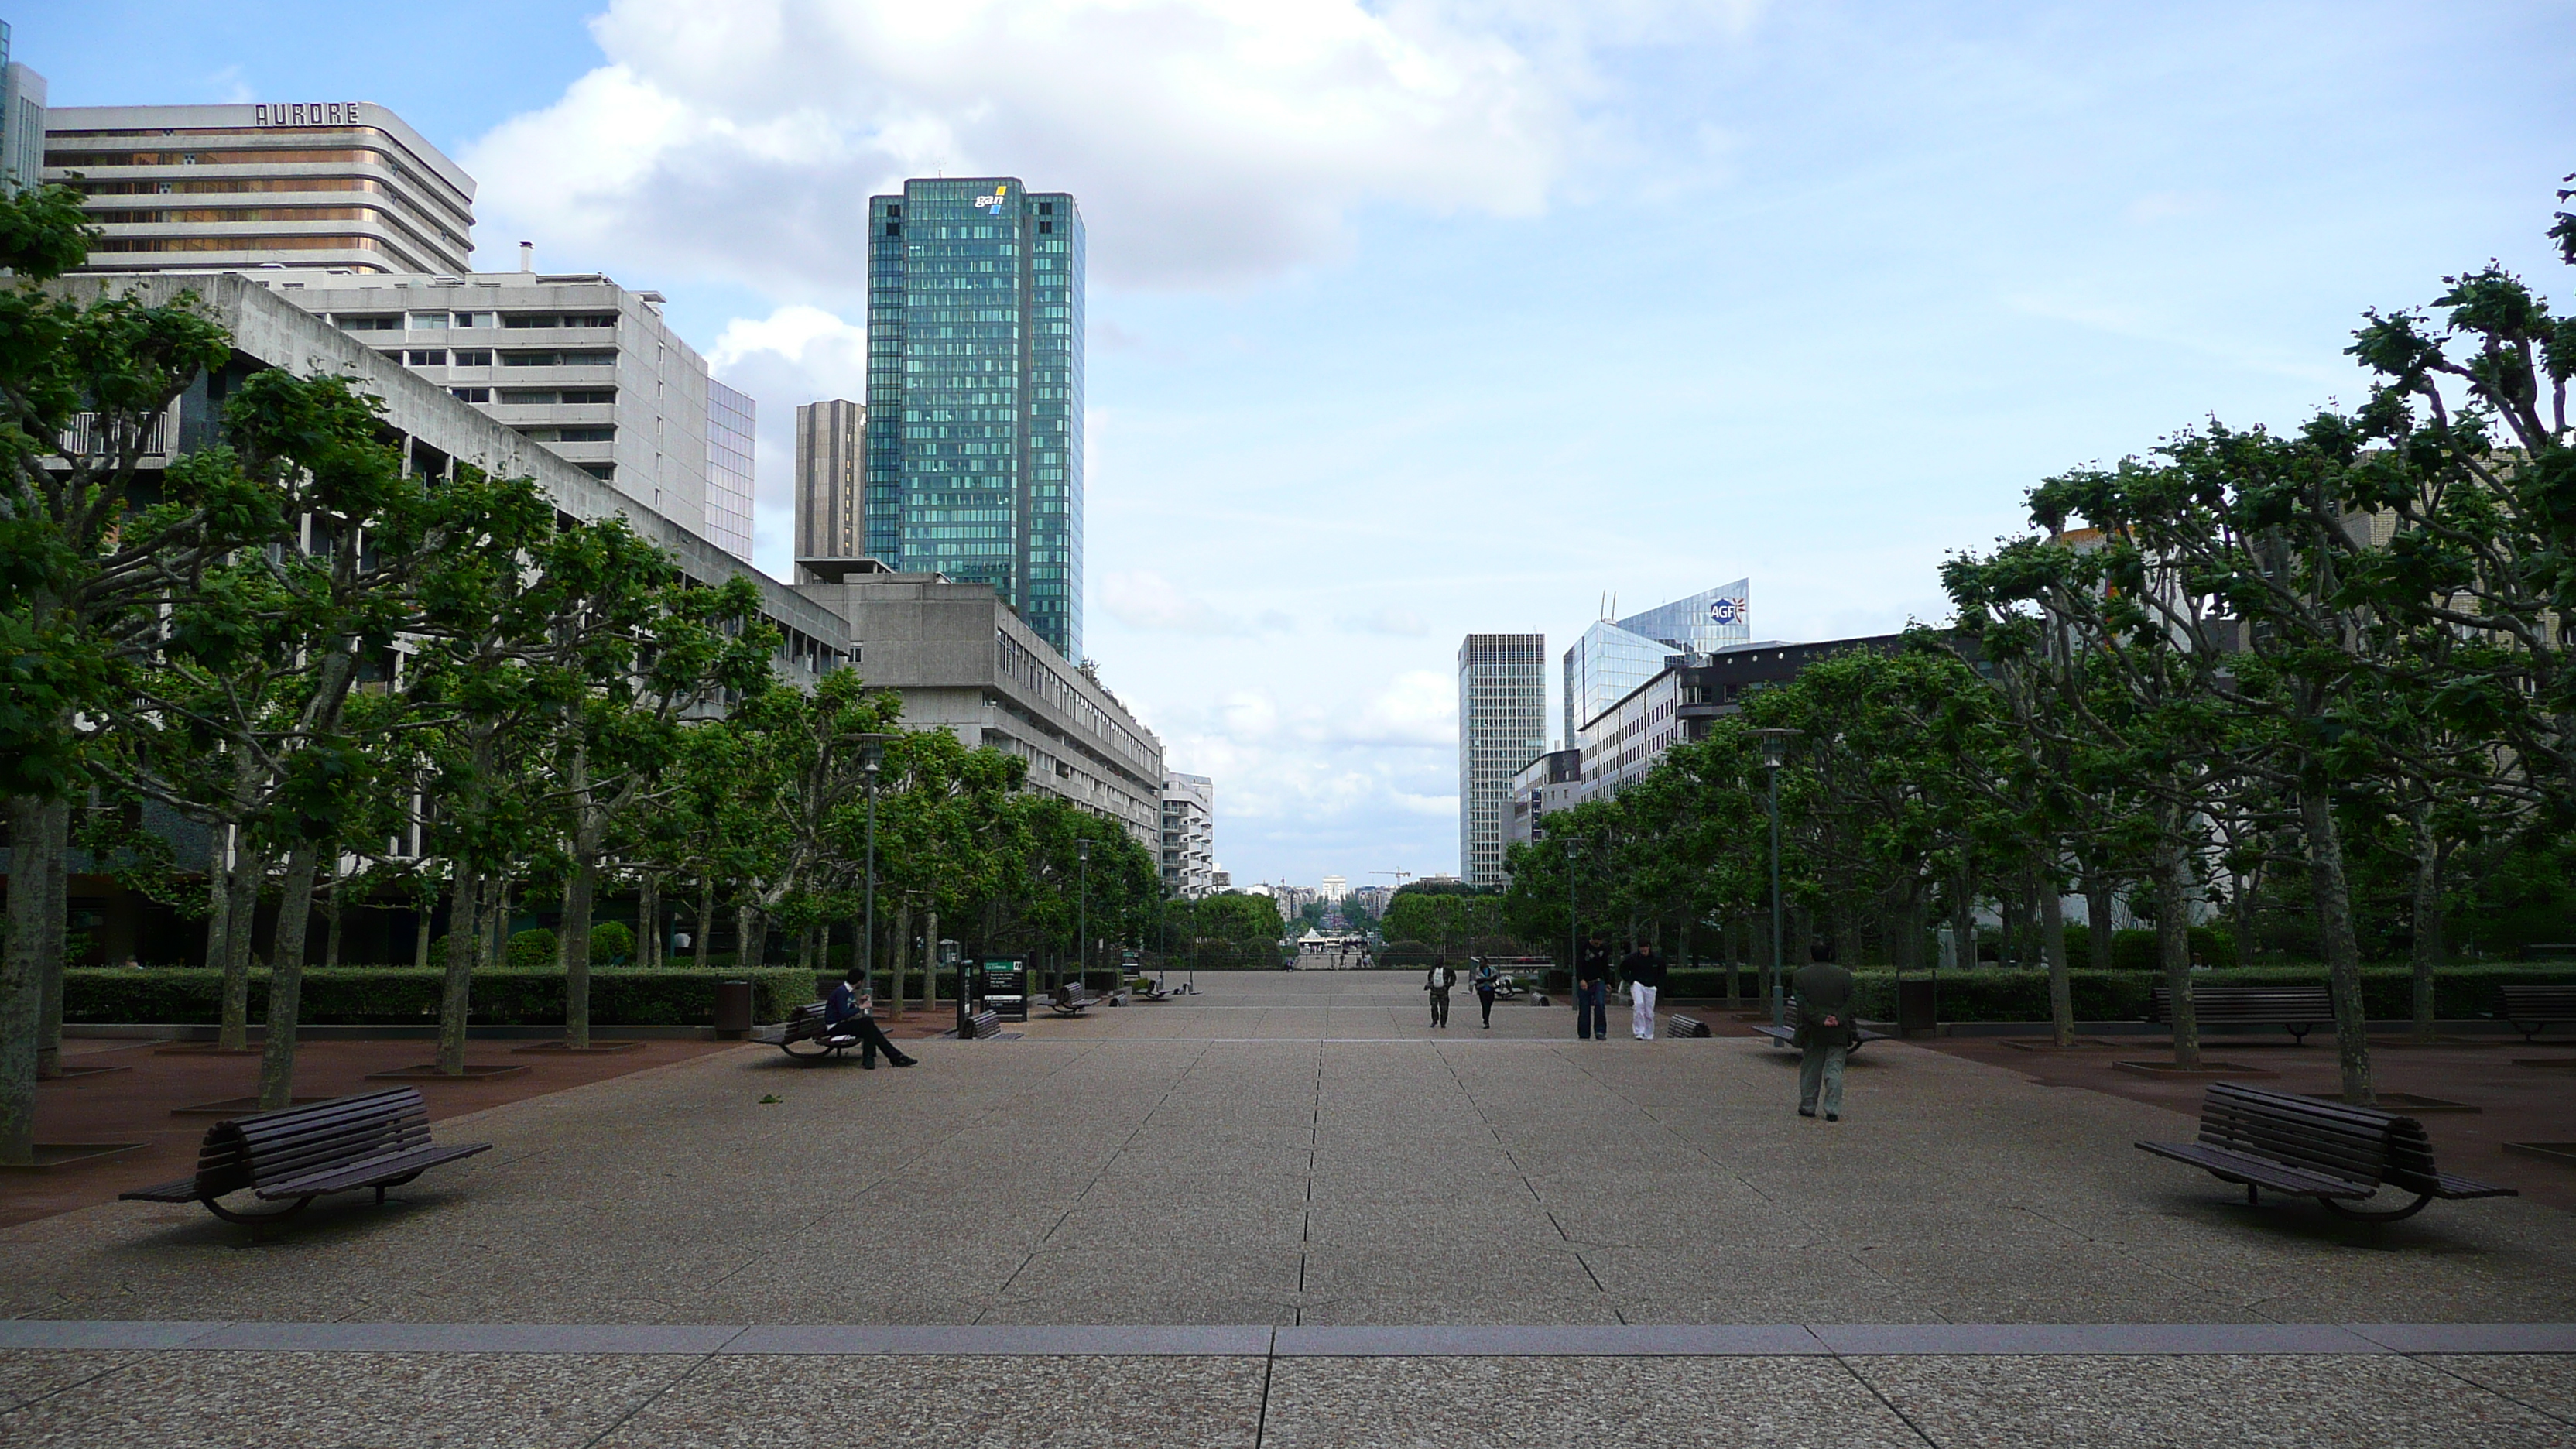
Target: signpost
[(1003, 983)]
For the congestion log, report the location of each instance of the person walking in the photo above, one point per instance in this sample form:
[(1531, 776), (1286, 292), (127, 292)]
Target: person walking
[(1592, 991), (1645, 972), (1485, 979), (1438, 983), (1826, 1032)]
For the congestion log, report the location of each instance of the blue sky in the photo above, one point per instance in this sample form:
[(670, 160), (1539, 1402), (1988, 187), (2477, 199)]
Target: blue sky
[(1416, 319)]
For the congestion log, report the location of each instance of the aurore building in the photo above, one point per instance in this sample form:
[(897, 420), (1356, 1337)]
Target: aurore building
[(973, 464)]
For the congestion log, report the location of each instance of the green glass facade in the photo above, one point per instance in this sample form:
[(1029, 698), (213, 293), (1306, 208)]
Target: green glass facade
[(974, 434)]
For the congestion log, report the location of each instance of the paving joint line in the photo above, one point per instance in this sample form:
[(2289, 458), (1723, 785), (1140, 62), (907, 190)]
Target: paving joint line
[(648, 1401), (1902, 1417)]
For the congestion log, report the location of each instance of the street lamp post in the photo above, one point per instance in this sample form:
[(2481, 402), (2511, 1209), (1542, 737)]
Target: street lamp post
[(1775, 752), (1082, 916), (871, 761)]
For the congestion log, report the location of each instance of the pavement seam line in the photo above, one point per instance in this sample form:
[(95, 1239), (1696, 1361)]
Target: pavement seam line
[(139, 1359), (648, 1401), (2483, 1386), (1902, 1417)]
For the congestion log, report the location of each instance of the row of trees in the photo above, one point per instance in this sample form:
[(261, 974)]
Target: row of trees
[(371, 674), (2244, 669)]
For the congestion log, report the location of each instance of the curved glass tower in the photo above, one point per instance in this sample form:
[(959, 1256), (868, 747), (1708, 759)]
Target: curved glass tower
[(974, 424)]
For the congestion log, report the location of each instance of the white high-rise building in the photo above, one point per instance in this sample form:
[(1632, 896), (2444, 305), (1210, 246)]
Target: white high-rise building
[(1502, 725), (1189, 835), (572, 361)]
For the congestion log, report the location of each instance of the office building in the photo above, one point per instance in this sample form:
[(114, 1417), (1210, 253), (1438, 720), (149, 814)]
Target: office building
[(22, 121), (1189, 835), (733, 429), (973, 463), (964, 661), (1502, 725), (303, 186), (572, 361), (1615, 656), (1552, 782), (829, 521)]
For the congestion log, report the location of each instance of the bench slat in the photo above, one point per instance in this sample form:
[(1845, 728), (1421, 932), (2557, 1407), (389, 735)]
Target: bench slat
[(2260, 1171), (367, 1172)]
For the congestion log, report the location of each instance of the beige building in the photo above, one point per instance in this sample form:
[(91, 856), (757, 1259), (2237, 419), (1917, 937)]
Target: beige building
[(319, 186), (830, 487)]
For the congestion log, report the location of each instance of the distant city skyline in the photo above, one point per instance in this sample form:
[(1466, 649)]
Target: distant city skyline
[(1407, 322)]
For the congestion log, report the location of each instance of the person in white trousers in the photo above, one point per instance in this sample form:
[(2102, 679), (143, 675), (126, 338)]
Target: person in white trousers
[(1644, 972)]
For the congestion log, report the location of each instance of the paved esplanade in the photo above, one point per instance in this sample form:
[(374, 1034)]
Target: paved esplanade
[(1319, 1221)]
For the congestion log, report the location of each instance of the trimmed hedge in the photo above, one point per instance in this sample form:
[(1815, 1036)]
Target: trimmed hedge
[(402, 995), (2460, 993), (534, 949)]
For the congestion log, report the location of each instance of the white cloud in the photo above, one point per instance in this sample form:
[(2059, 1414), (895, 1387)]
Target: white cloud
[(793, 356), (1208, 140), (1143, 599), (1390, 620)]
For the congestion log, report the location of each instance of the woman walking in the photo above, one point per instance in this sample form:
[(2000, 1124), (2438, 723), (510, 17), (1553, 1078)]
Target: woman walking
[(1485, 979)]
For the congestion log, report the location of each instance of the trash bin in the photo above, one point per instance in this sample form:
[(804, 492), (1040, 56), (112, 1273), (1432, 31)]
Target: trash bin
[(1917, 1006), (733, 1009)]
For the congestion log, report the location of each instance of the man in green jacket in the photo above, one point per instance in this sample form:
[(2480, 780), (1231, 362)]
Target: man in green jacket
[(1826, 1032)]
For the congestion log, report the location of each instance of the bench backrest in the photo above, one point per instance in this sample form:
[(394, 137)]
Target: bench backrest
[(2359, 1144), (2251, 1003), (271, 1146), (2541, 1000)]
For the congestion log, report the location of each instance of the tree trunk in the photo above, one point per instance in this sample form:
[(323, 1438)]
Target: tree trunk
[(930, 961), (286, 977), (22, 979), (497, 946), (332, 912), (902, 951), (2097, 918), (572, 948), (706, 913), (218, 897), (425, 905), (456, 985), (2244, 904), (2333, 892), (2052, 942), (248, 873), (2173, 936), (57, 907), (751, 937), (648, 921), (1963, 919), (2425, 952)]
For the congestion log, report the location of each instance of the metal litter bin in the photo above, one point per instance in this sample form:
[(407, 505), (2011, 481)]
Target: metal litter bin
[(733, 1010), (1918, 1006)]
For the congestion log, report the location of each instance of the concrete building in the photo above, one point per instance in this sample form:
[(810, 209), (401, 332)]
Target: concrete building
[(830, 520), (1614, 656), (963, 660), (1189, 835), (572, 361), (975, 368), (1502, 725), (1553, 781), (317, 186), (22, 121)]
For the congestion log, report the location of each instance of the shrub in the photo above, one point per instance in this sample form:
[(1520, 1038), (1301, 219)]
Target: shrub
[(533, 949), (2460, 993), (383, 995), (611, 944)]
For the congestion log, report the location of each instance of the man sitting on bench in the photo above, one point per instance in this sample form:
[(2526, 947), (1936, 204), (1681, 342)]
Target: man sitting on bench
[(851, 1012)]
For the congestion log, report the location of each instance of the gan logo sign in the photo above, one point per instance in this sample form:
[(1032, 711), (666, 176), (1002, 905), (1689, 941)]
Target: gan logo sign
[(1726, 611), (993, 203)]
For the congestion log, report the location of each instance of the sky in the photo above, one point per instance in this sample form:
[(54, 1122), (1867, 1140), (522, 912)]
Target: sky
[(1410, 320)]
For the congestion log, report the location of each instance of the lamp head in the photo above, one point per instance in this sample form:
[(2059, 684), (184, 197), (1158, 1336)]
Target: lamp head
[(1775, 746), (1082, 850)]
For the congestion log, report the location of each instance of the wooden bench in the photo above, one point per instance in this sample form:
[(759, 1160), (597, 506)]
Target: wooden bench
[(2339, 1155), (1072, 1000), (2295, 1009), (2531, 1009), (1679, 1025), (805, 1035), (983, 1024), (1786, 1034), (374, 1139)]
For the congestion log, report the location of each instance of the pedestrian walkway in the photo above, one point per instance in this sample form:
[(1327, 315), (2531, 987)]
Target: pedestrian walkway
[(1283, 1154)]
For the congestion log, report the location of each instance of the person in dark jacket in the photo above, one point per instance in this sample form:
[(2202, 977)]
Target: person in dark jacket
[(1826, 1032), (1438, 981), (1644, 971), (850, 1011), (1592, 991), (1485, 978)]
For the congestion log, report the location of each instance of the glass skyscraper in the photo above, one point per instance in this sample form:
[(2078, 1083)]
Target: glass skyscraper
[(1613, 657), (974, 425)]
